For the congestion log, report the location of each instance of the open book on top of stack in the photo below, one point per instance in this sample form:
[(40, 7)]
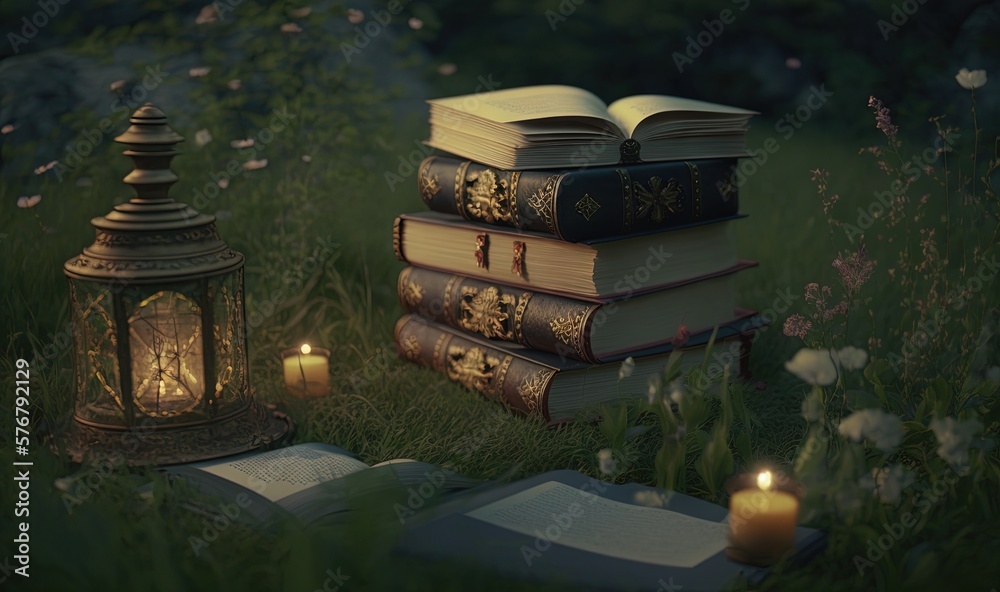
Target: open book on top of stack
[(566, 235)]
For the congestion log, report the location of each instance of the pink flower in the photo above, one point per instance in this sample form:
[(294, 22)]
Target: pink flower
[(855, 269), (811, 292), (207, 15), (235, 84), (28, 202), (46, 167), (355, 16), (882, 119), (840, 308), (291, 28), (223, 183), (199, 72), (415, 23), (253, 165), (117, 85), (681, 337), (242, 143), (447, 69), (7, 128), (797, 326)]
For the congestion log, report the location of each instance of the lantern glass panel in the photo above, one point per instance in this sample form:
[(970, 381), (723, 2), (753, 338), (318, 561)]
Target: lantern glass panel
[(97, 372), (167, 354), (232, 391)]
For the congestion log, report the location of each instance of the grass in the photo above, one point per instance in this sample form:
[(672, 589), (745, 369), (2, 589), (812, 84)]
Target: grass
[(382, 408)]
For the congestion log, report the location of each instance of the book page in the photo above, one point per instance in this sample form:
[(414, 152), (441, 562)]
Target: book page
[(279, 473), (582, 520), (631, 111), (528, 103)]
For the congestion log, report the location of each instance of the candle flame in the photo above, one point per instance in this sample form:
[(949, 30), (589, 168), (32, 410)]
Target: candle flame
[(305, 349), (764, 480)]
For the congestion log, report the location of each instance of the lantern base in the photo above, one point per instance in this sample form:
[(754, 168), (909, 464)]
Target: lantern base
[(253, 428)]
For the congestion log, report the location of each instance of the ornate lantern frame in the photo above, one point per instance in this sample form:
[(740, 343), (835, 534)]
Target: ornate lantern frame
[(162, 373)]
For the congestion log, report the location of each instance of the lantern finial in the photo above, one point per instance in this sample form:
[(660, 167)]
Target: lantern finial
[(151, 145)]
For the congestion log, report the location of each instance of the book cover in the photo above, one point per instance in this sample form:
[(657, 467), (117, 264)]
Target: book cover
[(564, 527), (598, 268), (547, 385), (590, 330), (582, 204)]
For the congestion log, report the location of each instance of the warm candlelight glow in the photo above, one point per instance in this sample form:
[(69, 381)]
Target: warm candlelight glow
[(307, 371), (762, 520)]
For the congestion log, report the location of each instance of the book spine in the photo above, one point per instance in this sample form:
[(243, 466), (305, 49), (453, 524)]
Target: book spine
[(494, 311), (514, 381), (583, 204)]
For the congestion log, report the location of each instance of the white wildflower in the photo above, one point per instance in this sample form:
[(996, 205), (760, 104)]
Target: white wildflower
[(64, 484), (971, 80), (851, 358), (812, 406), (652, 389), (814, 366), (651, 498), (954, 437), (676, 392), (606, 462), (626, 368), (888, 483), (884, 429), (242, 143), (202, 137)]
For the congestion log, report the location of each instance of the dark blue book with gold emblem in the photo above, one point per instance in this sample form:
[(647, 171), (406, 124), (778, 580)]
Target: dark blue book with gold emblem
[(583, 204)]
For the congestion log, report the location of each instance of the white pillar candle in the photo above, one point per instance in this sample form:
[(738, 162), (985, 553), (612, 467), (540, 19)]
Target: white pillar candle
[(307, 371), (762, 521)]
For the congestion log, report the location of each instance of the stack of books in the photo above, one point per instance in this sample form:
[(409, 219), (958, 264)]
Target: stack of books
[(566, 235)]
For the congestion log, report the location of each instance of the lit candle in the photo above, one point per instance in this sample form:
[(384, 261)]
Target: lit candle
[(307, 371), (762, 519)]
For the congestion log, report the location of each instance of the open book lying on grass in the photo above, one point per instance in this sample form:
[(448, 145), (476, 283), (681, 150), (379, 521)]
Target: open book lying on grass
[(565, 528), (555, 126), (560, 527), (310, 481)]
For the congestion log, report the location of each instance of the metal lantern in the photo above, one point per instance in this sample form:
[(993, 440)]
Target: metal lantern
[(157, 304)]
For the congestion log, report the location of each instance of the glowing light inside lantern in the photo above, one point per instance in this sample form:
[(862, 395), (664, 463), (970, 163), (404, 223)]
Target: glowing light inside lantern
[(166, 354), (764, 480), (306, 349)]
